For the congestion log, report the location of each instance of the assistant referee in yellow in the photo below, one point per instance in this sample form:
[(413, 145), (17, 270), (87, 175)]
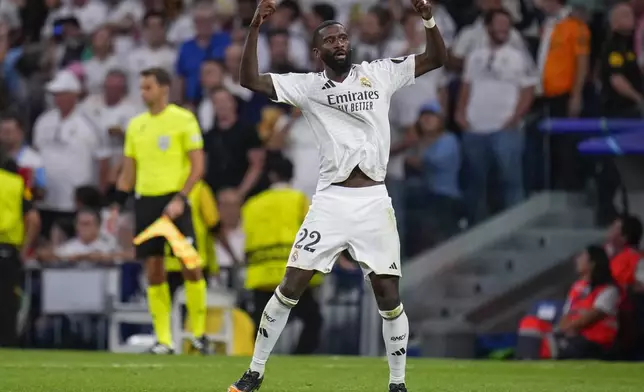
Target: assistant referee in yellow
[(163, 161)]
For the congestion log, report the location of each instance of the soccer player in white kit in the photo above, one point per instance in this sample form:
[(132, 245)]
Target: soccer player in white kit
[(347, 108)]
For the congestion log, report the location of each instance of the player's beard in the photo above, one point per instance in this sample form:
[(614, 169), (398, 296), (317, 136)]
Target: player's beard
[(338, 66)]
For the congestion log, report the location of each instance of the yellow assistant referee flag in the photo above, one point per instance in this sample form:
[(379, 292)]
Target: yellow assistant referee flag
[(181, 247)]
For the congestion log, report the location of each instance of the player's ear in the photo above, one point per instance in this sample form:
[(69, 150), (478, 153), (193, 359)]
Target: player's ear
[(316, 53)]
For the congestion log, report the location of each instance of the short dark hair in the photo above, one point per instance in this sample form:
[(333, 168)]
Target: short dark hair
[(159, 74), (324, 11), (489, 16), (383, 15), (276, 32), (322, 26), (631, 230), (601, 273), (280, 166), (12, 116), (292, 6), (89, 197), (153, 14)]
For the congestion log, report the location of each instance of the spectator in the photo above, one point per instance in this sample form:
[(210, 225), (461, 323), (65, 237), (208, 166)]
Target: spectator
[(496, 92), (285, 19), (68, 44), (320, 12), (434, 194), (280, 61), (621, 77), (71, 147), (475, 35), (588, 328), (87, 246), (91, 14), (124, 19), (212, 79), (153, 52), (638, 12), (235, 154), (112, 112), (250, 104), (101, 60), (230, 245), (374, 40), (207, 44), (627, 264), (445, 23), (11, 86), (30, 163), (563, 62)]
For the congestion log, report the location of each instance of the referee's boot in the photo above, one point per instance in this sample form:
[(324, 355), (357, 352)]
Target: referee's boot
[(161, 349), (397, 388), (202, 345), (249, 382)]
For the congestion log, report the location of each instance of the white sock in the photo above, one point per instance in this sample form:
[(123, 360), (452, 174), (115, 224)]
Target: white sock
[(395, 331), (270, 328)]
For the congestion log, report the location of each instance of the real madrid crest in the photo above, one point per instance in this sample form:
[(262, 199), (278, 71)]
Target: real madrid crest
[(364, 82), (163, 142), (294, 256)]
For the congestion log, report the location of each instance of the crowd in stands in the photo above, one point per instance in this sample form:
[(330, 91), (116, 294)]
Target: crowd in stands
[(464, 141)]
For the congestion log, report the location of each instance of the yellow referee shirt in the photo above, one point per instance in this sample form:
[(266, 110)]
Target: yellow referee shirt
[(159, 144)]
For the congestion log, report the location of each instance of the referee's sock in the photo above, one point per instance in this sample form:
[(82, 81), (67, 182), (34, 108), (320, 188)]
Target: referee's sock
[(274, 320), (160, 306), (395, 331), (196, 304)]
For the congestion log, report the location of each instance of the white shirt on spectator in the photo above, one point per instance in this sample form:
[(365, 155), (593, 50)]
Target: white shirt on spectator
[(90, 16), (133, 9), (475, 36), (206, 114), (145, 57), (96, 70), (106, 117), (181, 29), (237, 241), (69, 148), (75, 247), (445, 23), (496, 77)]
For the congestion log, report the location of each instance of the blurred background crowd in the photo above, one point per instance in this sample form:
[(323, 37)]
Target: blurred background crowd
[(465, 144)]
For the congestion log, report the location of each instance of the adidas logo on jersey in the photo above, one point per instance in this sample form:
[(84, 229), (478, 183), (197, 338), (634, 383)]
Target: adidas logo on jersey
[(328, 84), (393, 267)]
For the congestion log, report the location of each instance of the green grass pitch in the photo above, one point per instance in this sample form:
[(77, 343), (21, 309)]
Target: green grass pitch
[(57, 371)]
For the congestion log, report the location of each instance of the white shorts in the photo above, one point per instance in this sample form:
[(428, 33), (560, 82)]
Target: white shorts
[(359, 220)]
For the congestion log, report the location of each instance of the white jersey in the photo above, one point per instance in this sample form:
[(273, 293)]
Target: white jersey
[(350, 119)]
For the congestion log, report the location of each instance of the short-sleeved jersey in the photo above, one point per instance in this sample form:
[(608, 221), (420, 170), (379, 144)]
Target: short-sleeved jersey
[(350, 119), (160, 144)]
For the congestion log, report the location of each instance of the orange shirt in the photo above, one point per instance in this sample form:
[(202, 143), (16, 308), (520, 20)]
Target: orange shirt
[(570, 38)]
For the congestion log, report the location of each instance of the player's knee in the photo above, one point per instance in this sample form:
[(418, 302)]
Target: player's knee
[(295, 282), (193, 275), (155, 271), (385, 290)]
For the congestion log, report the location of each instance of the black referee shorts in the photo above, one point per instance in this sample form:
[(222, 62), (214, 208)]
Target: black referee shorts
[(147, 209)]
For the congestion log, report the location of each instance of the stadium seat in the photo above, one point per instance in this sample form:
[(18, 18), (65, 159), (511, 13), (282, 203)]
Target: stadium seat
[(217, 298)]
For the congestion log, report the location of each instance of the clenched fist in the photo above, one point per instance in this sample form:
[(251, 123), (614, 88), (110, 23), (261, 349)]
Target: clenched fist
[(265, 8)]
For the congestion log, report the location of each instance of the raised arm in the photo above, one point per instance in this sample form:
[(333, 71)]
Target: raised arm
[(249, 75), (435, 55)]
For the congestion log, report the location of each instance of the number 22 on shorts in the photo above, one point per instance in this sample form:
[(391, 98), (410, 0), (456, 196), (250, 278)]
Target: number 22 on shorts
[(307, 241)]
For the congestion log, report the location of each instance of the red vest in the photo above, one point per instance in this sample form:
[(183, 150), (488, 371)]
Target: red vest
[(623, 266), (581, 301)]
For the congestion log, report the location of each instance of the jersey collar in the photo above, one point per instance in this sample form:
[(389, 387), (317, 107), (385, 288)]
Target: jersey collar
[(352, 72)]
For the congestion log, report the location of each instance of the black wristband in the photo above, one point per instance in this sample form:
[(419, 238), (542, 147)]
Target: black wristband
[(120, 198)]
